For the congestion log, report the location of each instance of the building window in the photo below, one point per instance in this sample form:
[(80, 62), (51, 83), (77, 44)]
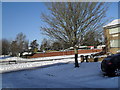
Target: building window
[(114, 30), (115, 43), (115, 35)]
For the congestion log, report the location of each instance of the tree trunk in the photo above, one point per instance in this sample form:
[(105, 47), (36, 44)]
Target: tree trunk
[(76, 57)]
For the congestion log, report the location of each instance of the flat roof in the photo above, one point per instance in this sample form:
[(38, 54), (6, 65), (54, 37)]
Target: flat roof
[(113, 23)]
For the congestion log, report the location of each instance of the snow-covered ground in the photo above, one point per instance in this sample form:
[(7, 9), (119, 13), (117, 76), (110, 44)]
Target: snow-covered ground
[(31, 65), (42, 58), (23, 63), (60, 74), (88, 75)]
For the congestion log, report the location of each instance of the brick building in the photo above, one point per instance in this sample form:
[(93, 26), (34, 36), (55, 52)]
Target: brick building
[(112, 36)]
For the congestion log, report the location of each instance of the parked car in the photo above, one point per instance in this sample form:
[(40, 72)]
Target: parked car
[(111, 65)]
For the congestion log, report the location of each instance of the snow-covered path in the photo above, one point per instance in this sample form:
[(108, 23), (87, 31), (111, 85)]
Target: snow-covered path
[(88, 75)]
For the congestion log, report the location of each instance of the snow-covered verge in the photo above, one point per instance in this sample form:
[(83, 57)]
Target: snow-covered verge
[(26, 64), (88, 75), (3, 55), (42, 58), (30, 65)]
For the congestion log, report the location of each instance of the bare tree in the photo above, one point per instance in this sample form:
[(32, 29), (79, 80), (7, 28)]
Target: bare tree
[(92, 38), (56, 45), (45, 45), (5, 47), (0, 47), (14, 48), (26, 45), (21, 42), (68, 22)]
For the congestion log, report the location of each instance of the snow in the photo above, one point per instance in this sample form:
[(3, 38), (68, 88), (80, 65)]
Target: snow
[(114, 22), (27, 63), (43, 58), (4, 56), (55, 74), (88, 75)]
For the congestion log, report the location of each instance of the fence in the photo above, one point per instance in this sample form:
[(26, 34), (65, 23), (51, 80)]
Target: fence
[(61, 53)]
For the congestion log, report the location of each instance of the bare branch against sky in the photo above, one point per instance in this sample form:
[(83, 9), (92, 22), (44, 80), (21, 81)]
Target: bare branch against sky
[(69, 22)]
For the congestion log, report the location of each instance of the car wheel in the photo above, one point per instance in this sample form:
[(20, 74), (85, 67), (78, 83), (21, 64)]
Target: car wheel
[(117, 72), (110, 74)]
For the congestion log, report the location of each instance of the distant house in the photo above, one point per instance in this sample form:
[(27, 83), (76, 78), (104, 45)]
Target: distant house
[(112, 36)]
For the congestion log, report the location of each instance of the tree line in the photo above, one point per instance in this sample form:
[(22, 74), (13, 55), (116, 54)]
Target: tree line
[(18, 46), (21, 44), (90, 39)]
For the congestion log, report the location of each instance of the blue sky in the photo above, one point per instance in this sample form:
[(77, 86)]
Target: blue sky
[(25, 17)]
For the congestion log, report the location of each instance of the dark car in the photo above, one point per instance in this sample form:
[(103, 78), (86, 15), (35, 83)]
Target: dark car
[(111, 65)]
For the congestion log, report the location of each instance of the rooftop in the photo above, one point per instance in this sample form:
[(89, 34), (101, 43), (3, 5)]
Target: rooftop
[(114, 22)]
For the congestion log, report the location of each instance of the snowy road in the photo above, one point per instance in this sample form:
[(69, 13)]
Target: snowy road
[(62, 76)]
